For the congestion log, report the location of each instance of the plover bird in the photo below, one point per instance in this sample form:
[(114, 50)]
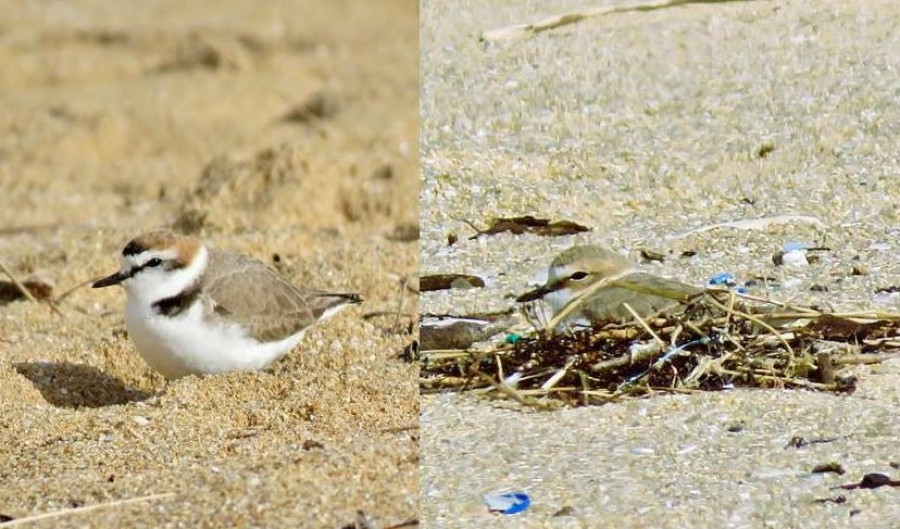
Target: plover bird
[(591, 285), (197, 310)]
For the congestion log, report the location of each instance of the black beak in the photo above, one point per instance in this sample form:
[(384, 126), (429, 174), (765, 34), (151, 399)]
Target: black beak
[(109, 281), (537, 293)]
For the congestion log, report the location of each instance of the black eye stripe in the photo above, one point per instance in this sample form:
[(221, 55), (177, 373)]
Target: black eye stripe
[(152, 263)]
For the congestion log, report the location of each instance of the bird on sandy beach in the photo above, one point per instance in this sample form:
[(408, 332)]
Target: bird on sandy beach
[(589, 285), (192, 309)]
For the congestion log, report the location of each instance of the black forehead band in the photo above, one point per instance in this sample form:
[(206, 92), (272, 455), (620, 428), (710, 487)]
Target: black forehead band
[(133, 248)]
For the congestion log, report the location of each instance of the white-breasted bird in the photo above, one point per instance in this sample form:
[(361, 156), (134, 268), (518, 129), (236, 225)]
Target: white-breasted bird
[(197, 310)]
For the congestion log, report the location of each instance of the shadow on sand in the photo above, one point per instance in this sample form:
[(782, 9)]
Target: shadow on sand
[(70, 385)]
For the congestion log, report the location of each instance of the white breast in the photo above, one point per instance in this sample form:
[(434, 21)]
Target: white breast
[(188, 344)]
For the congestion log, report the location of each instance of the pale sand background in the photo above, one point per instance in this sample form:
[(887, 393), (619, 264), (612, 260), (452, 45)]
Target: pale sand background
[(643, 126), (110, 113)]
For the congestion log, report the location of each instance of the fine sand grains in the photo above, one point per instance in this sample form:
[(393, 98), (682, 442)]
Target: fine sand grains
[(122, 117), (644, 126)]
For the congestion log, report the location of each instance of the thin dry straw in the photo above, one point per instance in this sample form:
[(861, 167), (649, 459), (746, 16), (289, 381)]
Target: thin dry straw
[(80, 510), (525, 30), (25, 292), (756, 321)]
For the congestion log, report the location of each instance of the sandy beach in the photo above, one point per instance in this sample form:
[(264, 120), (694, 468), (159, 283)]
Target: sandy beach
[(651, 128), (281, 130)]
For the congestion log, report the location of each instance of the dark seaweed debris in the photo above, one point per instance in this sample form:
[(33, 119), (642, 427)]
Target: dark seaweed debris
[(709, 345), (529, 224)]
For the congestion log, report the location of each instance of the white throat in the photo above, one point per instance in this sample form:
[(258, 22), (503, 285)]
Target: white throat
[(151, 285), (559, 298)]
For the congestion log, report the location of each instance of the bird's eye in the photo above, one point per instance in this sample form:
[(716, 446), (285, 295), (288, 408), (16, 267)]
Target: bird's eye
[(578, 276), (156, 261)]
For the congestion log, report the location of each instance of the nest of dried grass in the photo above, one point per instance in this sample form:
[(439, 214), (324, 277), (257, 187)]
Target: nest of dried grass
[(718, 340)]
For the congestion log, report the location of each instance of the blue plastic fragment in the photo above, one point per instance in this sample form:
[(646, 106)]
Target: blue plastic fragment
[(722, 279), (507, 502), (726, 279), (512, 338)]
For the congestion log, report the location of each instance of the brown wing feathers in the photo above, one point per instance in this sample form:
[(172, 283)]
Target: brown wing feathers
[(270, 307)]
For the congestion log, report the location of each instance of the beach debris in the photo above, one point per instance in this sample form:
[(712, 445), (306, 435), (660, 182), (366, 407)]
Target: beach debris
[(796, 258), (458, 333), (716, 341), (519, 31), (412, 522), (410, 352), (798, 254), (753, 224), (837, 500), (507, 502), (78, 509), (528, 224), (872, 480), (886, 295), (512, 338), (832, 467), (763, 282), (434, 282), (727, 280), (32, 288), (722, 279), (652, 255), (765, 149), (312, 444), (736, 427)]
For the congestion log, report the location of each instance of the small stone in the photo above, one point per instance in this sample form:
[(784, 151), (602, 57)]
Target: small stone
[(312, 444), (567, 510)]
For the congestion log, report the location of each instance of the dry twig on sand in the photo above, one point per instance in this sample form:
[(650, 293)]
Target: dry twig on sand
[(518, 31), (80, 510)]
